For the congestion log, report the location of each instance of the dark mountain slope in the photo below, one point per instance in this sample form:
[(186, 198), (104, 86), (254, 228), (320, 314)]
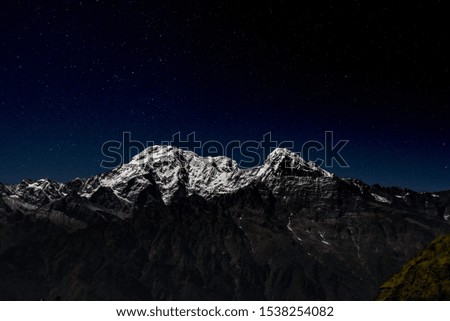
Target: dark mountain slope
[(172, 225)]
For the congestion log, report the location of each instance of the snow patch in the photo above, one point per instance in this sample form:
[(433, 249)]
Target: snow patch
[(360, 186), (380, 199), (290, 228), (323, 239)]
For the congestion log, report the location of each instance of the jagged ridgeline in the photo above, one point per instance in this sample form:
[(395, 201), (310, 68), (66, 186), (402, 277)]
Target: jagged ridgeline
[(171, 225), (424, 277)]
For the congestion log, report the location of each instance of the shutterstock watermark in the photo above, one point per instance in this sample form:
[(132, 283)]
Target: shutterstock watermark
[(247, 153)]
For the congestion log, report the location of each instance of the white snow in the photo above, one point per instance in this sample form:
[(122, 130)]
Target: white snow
[(37, 189), (35, 185), (404, 196), (380, 199), (290, 228), (324, 241), (283, 156), (172, 168), (355, 241), (360, 186)]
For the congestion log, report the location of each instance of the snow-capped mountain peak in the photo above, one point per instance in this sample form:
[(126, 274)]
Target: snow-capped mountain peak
[(175, 171), (171, 170), (38, 191), (283, 162)]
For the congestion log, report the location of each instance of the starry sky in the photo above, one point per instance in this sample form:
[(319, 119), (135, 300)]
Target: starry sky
[(74, 74)]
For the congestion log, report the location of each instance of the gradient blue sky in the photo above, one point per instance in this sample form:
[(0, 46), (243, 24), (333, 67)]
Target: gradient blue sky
[(76, 74)]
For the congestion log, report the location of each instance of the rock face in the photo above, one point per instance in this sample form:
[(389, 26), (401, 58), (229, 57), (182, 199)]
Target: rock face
[(425, 277), (171, 225)]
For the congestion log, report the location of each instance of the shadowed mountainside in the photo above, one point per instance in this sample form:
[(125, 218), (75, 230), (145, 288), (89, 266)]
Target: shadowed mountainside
[(172, 225)]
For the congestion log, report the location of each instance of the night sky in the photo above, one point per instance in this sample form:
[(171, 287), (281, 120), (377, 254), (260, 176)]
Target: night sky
[(74, 74)]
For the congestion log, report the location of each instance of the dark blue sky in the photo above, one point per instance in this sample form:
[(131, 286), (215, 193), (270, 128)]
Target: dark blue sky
[(76, 74)]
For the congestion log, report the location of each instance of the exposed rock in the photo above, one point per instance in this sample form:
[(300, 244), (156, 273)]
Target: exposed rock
[(174, 225)]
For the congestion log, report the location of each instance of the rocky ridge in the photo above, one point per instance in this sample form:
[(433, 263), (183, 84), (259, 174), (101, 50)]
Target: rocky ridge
[(174, 225)]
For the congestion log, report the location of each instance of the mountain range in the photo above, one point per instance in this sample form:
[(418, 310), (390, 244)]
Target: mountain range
[(173, 225)]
